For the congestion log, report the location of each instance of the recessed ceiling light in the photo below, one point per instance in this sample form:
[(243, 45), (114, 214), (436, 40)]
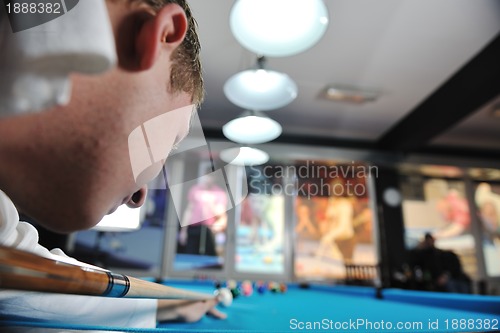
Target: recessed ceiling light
[(349, 95)]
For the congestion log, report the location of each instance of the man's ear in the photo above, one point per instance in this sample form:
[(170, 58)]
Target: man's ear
[(164, 31)]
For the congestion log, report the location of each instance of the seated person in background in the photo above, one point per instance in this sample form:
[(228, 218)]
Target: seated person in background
[(438, 270), (455, 279), (68, 166)]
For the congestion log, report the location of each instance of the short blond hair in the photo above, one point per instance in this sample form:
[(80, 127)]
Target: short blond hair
[(186, 74)]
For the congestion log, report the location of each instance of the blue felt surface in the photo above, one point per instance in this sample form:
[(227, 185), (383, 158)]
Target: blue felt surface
[(338, 305), (274, 312)]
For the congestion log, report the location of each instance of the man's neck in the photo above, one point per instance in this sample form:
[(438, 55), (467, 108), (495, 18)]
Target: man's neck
[(12, 130), (23, 153)]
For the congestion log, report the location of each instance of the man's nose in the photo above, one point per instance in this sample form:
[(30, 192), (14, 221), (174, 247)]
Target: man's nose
[(138, 198)]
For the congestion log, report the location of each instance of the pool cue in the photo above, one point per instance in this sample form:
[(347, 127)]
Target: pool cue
[(27, 271)]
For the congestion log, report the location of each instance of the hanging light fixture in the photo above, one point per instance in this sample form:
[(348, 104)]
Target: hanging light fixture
[(278, 28), (252, 127), (244, 156), (260, 89)]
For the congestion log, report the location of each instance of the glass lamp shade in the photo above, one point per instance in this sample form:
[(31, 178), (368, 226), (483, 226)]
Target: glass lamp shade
[(278, 28), (260, 89), (252, 128), (244, 156)]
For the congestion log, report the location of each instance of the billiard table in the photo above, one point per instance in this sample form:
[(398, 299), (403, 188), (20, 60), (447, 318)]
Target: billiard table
[(316, 308)]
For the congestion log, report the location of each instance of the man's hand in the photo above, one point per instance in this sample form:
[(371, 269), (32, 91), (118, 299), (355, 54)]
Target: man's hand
[(187, 311)]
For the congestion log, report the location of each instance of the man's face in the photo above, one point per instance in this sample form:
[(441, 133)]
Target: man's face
[(76, 163), (83, 164), (116, 105)]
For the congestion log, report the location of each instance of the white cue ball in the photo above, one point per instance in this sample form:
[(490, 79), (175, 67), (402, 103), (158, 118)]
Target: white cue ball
[(224, 296)]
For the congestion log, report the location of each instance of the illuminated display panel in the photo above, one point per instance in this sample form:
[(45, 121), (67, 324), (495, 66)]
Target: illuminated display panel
[(261, 229), (439, 206), (334, 219), (487, 200)]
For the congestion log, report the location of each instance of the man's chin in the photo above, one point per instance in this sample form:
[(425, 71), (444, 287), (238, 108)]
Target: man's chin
[(112, 210)]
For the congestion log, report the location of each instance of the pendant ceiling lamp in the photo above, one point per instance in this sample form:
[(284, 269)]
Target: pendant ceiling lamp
[(260, 89), (252, 127), (244, 156), (278, 28)]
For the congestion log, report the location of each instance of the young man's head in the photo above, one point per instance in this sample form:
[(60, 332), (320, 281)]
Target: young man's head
[(428, 242), (68, 166)]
